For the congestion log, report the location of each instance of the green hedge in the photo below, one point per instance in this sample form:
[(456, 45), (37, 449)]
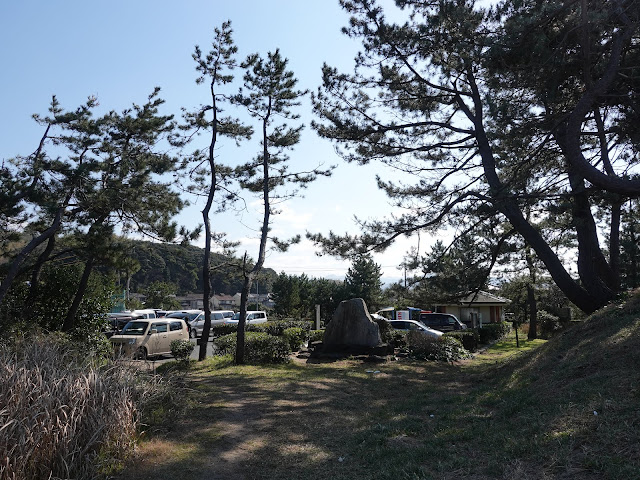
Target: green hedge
[(493, 331), (259, 347), (295, 337), (181, 349), (549, 324), (220, 330), (468, 338), (278, 327), (316, 336), (443, 349)]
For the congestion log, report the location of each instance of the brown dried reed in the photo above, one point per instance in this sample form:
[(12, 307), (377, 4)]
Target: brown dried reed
[(62, 415)]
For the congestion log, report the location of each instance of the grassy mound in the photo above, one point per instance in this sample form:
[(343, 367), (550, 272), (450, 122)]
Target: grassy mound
[(575, 401), (583, 387)]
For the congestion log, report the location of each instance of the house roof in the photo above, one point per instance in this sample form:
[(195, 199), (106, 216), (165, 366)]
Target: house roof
[(481, 298), (223, 297)]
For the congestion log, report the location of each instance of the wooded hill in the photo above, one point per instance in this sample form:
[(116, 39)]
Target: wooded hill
[(182, 266)]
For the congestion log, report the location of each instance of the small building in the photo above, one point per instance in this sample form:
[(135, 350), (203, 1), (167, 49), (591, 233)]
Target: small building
[(224, 302), (476, 308), (191, 301)]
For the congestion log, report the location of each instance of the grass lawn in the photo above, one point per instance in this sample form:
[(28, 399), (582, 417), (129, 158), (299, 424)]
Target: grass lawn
[(512, 413)]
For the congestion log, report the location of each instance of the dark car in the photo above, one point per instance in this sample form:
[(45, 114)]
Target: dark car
[(117, 321), (445, 322)]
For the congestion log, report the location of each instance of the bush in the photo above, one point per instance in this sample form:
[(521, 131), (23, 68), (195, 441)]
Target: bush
[(493, 331), (295, 337), (389, 335), (220, 330), (67, 416), (468, 338), (181, 349), (277, 328), (443, 349), (316, 336), (549, 324), (259, 347)]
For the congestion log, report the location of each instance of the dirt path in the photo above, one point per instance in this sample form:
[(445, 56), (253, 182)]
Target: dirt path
[(301, 421)]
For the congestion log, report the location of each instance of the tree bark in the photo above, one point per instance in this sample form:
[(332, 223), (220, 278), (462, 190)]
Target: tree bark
[(35, 274), (30, 247), (531, 297), (206, 263), (69, 321)]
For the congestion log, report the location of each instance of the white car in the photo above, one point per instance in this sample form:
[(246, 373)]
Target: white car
[(149, 337), (412, 325), (218, 317), (253, 316)]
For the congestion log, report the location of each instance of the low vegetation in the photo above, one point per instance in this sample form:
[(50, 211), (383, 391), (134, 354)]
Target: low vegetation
[(63, 416), (557, 409), (69, 413), (561, 409)]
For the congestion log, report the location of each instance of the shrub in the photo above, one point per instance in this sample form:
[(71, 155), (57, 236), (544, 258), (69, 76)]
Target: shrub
[(443, 349), (468, 338), (278, 327), (295, 336), (259, 347), (549, 324), (181, 349), (316, 336), (220, 330), (493, 331), (67, 416)]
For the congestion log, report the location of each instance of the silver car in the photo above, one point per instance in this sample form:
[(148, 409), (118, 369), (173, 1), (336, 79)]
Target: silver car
[(218, 317), (414, 326)]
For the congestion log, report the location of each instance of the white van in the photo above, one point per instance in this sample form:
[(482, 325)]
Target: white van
[(145, 313), (149, 337), (253, 316)]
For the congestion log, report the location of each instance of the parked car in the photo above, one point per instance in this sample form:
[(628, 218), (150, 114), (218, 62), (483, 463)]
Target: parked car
[(117, 321), (445, 322), (218, 317), (413, 325), (144, 312), (253, 316), (149, 337)]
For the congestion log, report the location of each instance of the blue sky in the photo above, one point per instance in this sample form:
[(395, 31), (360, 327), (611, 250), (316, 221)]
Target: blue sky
[(119, 50)]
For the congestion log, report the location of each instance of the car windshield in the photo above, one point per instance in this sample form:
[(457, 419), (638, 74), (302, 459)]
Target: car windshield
[(236, 316), (135, 328)]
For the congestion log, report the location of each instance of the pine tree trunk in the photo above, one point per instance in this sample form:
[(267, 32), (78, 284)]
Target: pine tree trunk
[(69, 321)]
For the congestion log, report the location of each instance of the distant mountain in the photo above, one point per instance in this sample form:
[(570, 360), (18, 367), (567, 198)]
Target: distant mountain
[(182, 265)]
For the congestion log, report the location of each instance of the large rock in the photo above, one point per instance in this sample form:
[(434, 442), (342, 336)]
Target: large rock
[(351, 325)]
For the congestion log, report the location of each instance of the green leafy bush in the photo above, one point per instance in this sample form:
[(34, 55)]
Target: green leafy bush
[(278, 327), (220, 330), (468, 338), (316, 336), (259, 347), (181, 349), (295, 336), (443, 349), (493, 331), (549, 324)]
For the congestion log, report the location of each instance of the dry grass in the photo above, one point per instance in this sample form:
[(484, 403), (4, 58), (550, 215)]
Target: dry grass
[(61, 416)]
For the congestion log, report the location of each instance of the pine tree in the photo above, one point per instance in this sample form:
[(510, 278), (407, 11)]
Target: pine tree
[(363, 281), (269, 95), (215, 69), (526, 113)]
